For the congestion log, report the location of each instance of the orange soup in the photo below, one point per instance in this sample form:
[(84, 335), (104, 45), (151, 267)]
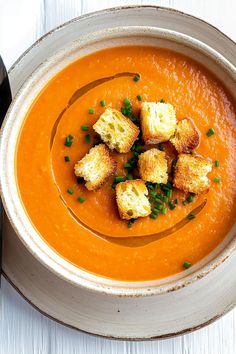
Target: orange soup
[(81, 230)]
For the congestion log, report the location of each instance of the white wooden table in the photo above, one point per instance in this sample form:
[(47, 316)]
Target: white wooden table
[(22, 329)]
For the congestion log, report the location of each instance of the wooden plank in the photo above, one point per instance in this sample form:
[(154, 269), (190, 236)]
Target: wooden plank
[(22, 329)]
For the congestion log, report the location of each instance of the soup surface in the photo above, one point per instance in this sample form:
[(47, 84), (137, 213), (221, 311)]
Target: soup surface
[(76, 230)]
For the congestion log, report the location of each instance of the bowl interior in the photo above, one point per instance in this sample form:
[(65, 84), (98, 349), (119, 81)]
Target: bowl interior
[(147, 36)]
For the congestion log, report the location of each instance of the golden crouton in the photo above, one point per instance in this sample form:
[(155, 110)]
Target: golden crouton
[(158, 122), (153, 166), (96, 167), (131, 198), (116, 130), (186, 136), (191, 173)]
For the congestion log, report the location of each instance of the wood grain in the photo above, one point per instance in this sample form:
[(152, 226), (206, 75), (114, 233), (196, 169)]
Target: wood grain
[(22, 329)]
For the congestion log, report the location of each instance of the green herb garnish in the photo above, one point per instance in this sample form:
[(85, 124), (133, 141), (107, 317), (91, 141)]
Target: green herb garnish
[(87, 138), (102, 103), (70, 191), (191, 216), (171, 206), (210, 132), (69, 140), (130, 223), (139, 98), (84, 128), (216, 179), (91, 110), (81, 199), (67, 158), (136, 78), (190, 198), (186, 264), (119, 179)]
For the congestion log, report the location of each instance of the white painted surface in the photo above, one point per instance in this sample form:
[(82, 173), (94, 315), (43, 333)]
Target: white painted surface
[(22, 329)]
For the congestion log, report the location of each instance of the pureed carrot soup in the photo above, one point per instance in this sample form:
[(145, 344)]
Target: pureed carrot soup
[(81, 225)]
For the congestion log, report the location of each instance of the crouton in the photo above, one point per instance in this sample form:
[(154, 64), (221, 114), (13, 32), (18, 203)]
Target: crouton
[(96, 167), (191, 173), (153, 166), (186, 136), (158, 122), (131, 198), (116, 130)]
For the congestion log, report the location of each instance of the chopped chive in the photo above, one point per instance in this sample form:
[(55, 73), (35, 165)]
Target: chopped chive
[(184, 202), (119, 179), (190, 198), (138, 148), (80, 180), (136, 78), (129, 176), (102, 103), (191, 216), (162, 100), (127, 165), (165, 199), (153, 216), (135, 153), (70, 191), (84, 128), (81, 199), (150, 187), (123, 111), (91, 110), (69, 140), (210, 132), (130, 223), (159, 207), (169, 185), (161, 147), (217, 163), (114, 185), (169, 193), (155, 211), (87, 138), (171, 206), (67, 158), (153, 194), (216, 179), (164, 211), (68, 143), (139, 98), (127, 102), (186, 264), (158, 200), (176, 201)]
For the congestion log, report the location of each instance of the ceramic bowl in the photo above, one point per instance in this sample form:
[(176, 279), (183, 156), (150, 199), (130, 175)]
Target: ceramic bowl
[(51, 58)]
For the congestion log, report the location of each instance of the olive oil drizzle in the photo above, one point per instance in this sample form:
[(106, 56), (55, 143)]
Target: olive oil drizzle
[(82, 91)]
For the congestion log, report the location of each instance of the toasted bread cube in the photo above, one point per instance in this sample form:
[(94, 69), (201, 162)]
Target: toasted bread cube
[(153, 166), (186, 136), (191, 173), (158, 122), (96, 167), (131, 198), (116, 130)]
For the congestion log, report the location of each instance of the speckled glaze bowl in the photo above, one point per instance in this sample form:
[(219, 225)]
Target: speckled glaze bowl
[(124, 308)]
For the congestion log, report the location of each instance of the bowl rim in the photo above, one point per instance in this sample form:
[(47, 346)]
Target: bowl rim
[(111, 290)]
